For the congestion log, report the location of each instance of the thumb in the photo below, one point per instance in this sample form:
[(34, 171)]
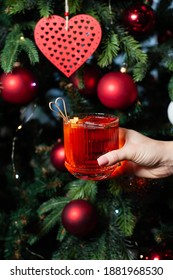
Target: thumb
[(112, 157)]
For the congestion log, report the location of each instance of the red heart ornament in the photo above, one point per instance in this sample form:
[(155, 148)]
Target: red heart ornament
[(68, 48)]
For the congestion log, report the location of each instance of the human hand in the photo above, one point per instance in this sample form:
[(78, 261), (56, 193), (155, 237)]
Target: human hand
[(146, 157)]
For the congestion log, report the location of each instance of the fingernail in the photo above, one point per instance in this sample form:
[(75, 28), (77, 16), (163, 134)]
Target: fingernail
[(102, 161)]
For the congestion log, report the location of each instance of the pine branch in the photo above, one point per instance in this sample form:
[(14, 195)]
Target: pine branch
[(78, 102), (45, 8), (29, 47), (118, 248), (15, 43), (74, 248), (125, 220), (81, 189), (16, 235), (74, 6), (168, 61), (101, 11), (170, 88), (54, 207), (10, 51), (48, 223), (135, 56), (52, 204), (110, 48), (139, 71), (9, 56), (17, 7), (119, 229)]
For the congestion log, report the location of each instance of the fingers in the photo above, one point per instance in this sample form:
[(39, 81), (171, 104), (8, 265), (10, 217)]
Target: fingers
[(112, 157)]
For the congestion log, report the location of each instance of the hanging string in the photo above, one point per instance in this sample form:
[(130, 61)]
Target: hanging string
[(16, 175), (66, 14), (57, 106)]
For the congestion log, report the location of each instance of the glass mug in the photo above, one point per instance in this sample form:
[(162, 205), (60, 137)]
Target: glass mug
[(86, 137)]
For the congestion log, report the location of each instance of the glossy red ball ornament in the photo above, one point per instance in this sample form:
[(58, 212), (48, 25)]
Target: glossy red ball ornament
[(57, 156), (139, 19), (79, 217), (117, 90), (19, 86), (86, 80)]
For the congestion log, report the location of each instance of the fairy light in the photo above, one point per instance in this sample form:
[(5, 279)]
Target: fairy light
[(15, 173), (123, 68), (22, 38), (156, 257)]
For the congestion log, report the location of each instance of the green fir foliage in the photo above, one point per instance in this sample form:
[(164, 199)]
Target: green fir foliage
[(110, 48), (82, 189), (170, 88), (14, 45), (135, 57), (45, 8), (74, 6), (125, 220), (16, 6)]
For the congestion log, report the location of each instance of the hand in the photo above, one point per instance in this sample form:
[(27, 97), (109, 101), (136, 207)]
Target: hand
[(146, 157)]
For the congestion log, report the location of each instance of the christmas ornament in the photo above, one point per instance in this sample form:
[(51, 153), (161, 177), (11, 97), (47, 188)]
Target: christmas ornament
[(79, 217), (86, 80), (170, 112), (139, 19), (117, 90), (57, 156), (68, 47), (18, 87)]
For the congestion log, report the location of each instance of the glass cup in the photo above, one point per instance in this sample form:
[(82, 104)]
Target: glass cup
[(86, 137)]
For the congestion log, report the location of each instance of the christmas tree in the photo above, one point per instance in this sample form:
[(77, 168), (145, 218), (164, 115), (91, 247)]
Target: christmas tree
[(75, 50)]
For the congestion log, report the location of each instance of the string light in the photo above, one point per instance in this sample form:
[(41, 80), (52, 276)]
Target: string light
[(156, 257), (123, 68), (15, 173)]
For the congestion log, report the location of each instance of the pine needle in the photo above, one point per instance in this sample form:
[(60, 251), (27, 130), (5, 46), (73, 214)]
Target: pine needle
[(170, 88), (29, 47), (45, 8), (110, 48)]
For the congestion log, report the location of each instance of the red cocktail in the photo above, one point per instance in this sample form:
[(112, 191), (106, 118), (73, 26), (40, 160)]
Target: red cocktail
[(86, 137)]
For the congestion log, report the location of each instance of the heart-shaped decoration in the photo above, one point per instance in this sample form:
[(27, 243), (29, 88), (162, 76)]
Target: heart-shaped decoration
[(68, 48)]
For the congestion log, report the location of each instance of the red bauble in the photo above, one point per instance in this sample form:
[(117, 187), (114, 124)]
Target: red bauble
[(79, 217), (18, 87), (139, 19), (86, 80), (117, 90), (57, 156)]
